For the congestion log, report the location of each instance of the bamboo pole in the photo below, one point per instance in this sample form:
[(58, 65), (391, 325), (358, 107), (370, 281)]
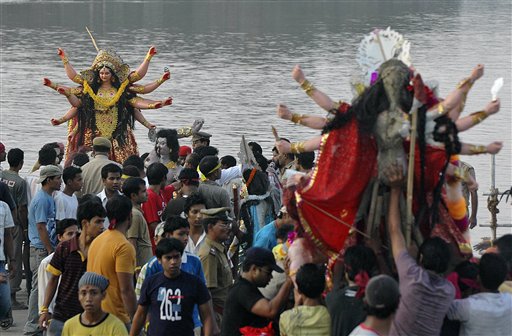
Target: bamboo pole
[(410, 177)]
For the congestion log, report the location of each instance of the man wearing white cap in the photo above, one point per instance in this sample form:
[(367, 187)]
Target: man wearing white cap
[(42, 235)]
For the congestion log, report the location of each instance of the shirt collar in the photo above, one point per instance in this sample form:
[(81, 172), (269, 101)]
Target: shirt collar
[(215, 244)]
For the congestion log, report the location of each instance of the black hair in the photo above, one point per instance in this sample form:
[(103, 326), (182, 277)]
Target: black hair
[(156, 172), (15, 156), (87, 112), (228, 161), (134, 160), (80, 159), (504, 245), (209, 221), (359, 258), (119, 209), (191, 200), (100, 149), (207, 164), (70, 173), (110, 168), (262, 161), (310, 280), (193, 159), (47, 156), (206, 151), (63, 224), (259, 184), (493, 271), (131, 171), (306, 159), (171, 137), (89, 207), (144, 156), (466, 270), (435, 254), (132, 186), (173, 223), (283, 231), (51, 145), (255, 147), (167, 245)]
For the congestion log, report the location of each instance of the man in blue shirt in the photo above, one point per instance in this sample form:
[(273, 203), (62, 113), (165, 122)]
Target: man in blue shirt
[(42, 235), (267, 236)]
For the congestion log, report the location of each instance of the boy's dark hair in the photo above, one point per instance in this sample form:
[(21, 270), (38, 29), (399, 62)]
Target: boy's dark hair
[(131, 171), (15, 156), (171, 137), (47, 156), (110, 168), (283, 231), (193, 159), (310, 280), (306, 159), (255, 147), (228, 161), (167, 245), (193, 199), (493, 271), (504, 245), (173, 223), (88, 208), (156, 172), (359, 258), (134, 160), (206, 151), (119, 209), (63, 224), (70, 173), (435, 255), (132, 186), (80, 159)]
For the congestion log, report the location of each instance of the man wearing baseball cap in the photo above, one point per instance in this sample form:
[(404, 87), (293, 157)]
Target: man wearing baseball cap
[(245, 305)]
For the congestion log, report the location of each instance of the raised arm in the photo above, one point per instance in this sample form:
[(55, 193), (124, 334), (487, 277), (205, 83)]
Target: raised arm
[(148, 104), (70, 114), (70, 71), (320, 98), (395, 178), (299, 147), (143, 67), (72, 98), (137, 114), (310, 121), (148, 88), (269, 309), (492, 148), (475, 118)]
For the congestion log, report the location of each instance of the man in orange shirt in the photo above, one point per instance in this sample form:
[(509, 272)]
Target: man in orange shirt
[(112, 256)]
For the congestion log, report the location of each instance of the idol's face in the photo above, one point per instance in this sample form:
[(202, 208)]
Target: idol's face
[(105, 74), (161, 146)]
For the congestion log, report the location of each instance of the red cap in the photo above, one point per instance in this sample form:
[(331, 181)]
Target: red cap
[(2, 148), (184, 151)]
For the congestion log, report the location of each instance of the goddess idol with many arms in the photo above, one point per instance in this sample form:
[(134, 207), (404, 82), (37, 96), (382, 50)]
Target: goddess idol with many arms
[(106, 102)]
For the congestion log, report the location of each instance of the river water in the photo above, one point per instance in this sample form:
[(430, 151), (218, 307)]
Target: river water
[(231, 64)]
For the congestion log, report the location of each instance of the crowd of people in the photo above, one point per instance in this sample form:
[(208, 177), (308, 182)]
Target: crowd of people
[(117, 249)]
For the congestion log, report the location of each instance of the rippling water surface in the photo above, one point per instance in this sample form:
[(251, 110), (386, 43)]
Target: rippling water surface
[(231, 63)]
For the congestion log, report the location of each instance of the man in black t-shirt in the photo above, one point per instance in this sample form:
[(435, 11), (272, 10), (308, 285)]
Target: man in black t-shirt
[(245, 305), (169, 297)]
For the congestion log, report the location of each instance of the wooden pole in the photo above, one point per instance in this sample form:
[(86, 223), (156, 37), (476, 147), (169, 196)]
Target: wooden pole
[(410, 177)]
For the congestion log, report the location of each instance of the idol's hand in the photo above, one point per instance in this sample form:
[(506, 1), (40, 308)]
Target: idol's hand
[(166, 75), (152, 51), (283, 147), (166, 102), (477, 72), (61, 53), (297, 74), (494, 147), (197, 125), (47, 82), (493, 107), (284, 112)]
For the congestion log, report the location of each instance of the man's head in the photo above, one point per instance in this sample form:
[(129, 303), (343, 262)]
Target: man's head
[(111, 176), (210, 167), (200, 139), (434, 255), (168, 252), (91, 214), (305, 161), (189, 177), (101, 145), (258, 266), (66, 229), (157, 174), (177, 227), (182, 154), (255, 148), (310, 281), (15, 158), (80, 159), (381, 296), (493, 271), (206, 151), (281, 160), (50, 177), (135, 161), (135, 189), (72, 178), (216, 223), (92, 289), (359, 258), (167, 144), (119, 211), (59, 150), (192, 161), (504, 246), (47, 156), (227, 161), (192, 209), (2, 152)]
